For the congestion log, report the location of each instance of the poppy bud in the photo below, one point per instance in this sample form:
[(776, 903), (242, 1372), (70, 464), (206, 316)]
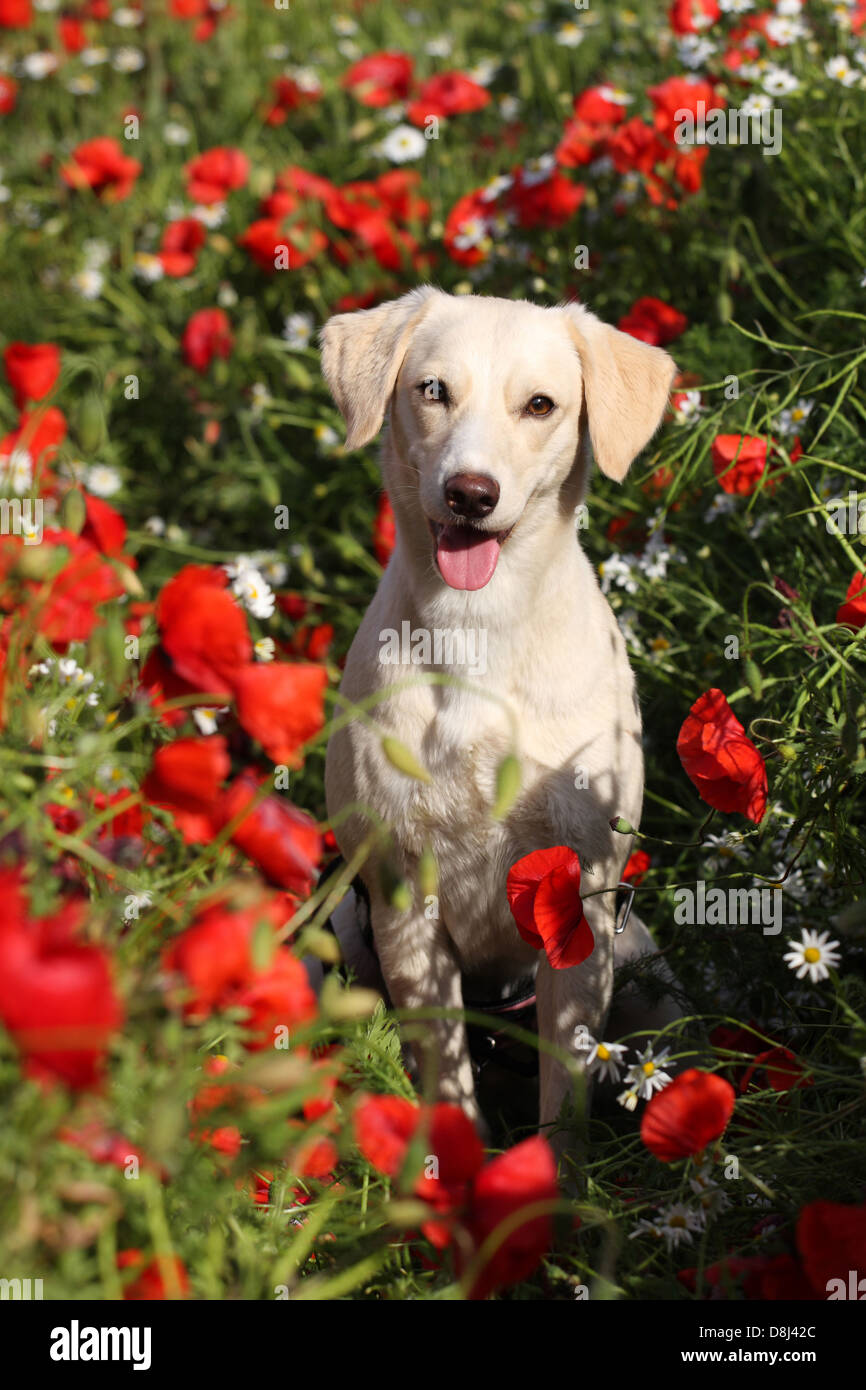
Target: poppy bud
[(508, 783), (753, 677), (90, 424), (404, 760), (621, 826), (73, 512), (428, 873)]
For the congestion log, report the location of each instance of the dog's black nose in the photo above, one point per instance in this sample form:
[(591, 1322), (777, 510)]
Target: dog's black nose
[(471, 494)]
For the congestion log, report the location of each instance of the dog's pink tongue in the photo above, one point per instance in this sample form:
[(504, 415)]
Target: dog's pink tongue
[(466, 558)]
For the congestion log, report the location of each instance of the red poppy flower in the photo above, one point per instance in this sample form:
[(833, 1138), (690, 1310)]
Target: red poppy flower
[(514, 1181), (852, 612), (38, 434), (162, 1277), (203, 629), (180, 243), (380, 79), (739, 462), (282, 840), (447, 94), (277, 998), (65, 609), (57, 995), (15, 14), (635, 146), (636, 867), (282, 706), (303, 183), (722, 762), (544, 896), (547, 202), (654, 322), (678, 94), (216, 173), (207, 335), (831, 1239), (214, 958), (32, 370), (103, 527), (384, 530), (72, 33), (185, 778), (687, 1115), (459, 1153), (287, 96), (100, 164), (781, 1068), (8, 93), (693, 16), (384, 1126), (269, 238)]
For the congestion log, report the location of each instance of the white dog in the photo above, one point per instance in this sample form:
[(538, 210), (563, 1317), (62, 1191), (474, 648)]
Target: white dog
[(493, 405)]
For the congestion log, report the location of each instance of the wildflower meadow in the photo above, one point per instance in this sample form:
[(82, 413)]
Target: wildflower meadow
[(198, 1103)]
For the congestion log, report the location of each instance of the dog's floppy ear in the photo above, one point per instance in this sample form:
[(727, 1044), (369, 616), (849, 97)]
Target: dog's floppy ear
[(626, 384), (361, 357)]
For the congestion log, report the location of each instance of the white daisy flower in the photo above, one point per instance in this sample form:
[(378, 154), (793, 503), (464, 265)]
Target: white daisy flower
[(298, 330), (210, 217), (83, 85), (814, 955), (155, 526), (403, 143), (693, 51), (265, 649), (484, 71), (603, 1059), (173, 133), (509, 108), (251, 587), (326, 438), (94, 57), (688, 407), (736, 6), (779, 82), (785, 30), (538, 170), (788, 421), (16, 470), (618, 570), (206, 718), (840, 70), (147, 267), (569, 35), (647, 1074), (102, 480), (128, 60), (440, 47), (127, 18)]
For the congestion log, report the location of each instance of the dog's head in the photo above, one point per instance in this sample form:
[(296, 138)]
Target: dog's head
[(491, 401)]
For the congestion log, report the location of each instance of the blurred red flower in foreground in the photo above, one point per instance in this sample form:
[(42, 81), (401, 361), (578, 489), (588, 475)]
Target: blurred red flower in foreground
[(463, 1190), (380, 79), (446, 94), (211, 176), (693, 16), (218, 961), (282, 706), (852, 613), (278, 837), (269, 238), (57, 996), (384, 530), (162, 1277), (687, 1115), (208, 334), (722, 762), (32, 370), (203, 629), (653, 322), (180, 243), (100, 164), (544, 896)]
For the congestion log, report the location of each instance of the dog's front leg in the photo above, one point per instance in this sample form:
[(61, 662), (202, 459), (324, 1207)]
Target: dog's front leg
[(421, 971), (568, 1000)]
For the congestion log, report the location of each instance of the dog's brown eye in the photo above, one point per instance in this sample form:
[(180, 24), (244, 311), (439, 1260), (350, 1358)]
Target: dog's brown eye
[(432, 389), (539, 406)]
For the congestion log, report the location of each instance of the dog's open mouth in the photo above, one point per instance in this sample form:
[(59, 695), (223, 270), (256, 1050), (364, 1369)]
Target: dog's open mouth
[(466, 557)]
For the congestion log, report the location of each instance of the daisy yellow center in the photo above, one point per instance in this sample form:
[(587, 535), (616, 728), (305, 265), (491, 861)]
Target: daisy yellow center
[(603, 1052), (812, 954), (677, 1220), (649, 1068)]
